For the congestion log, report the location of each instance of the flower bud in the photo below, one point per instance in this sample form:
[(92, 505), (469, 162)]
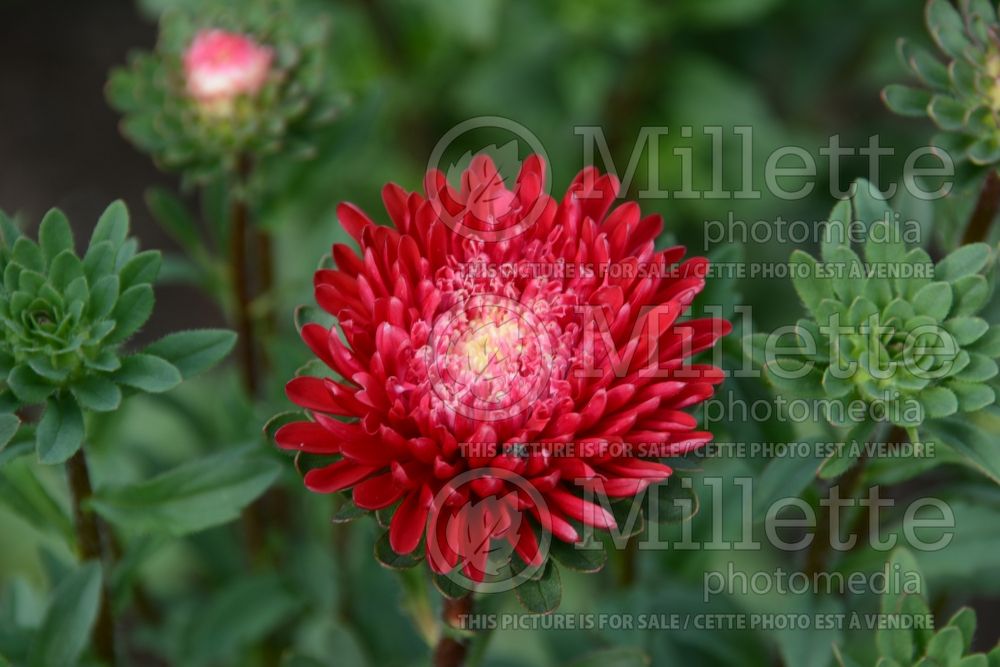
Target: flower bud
[(220, 66)]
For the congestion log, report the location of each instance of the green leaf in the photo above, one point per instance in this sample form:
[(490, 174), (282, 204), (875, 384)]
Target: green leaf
[(97, 393), (541, 595), (783, 477), (976, 446), (103, 297), (946, 27), (672, 501), (392, 560), (933, 300), (8, 428), (60, 431), (239, 616), (906, 101), (946, 646), (971, 294), (965, 620), (194, 351), (972, 397), (54, 235), (148, 373), (112, 226), (197, 495), (966, 330), (69, 619), (27, 253), (939, 402), (348, 512), (141, 269), (966, 261), (925, 65), (835, 233), (64, 269), (947, 112), (134, 307), (622, 656), (579, 557), (28, 386), (810, 287), (170, 212), (985, 150)]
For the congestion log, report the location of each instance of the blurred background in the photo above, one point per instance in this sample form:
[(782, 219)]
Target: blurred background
[(797, 72)]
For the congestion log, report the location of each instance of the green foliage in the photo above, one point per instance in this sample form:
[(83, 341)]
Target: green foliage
[(192, 497), (72, 612), (65, 318), (889, 327), (919, 646), (962, 97), (162, 119)]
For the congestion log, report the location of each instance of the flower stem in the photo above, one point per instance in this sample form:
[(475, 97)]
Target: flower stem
[(986, 210), (238, 222), (91, 547), (451, 651)]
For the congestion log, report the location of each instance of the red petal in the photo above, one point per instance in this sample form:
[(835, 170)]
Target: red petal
[(410, 521), (307, 437), (336, 476), (377, 492)]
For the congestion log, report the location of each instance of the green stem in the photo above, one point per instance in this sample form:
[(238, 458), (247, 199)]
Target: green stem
[(819, 550), (90, 543), (418, 605)]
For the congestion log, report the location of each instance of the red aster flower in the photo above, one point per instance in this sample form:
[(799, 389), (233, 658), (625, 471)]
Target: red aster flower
[(527, 347)]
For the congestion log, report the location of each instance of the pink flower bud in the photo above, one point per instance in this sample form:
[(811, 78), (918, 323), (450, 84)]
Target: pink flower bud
[(219, 66)]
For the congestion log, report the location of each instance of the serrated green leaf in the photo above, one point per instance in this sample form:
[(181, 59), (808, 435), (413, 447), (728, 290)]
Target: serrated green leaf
[(97, 393), (54, 235), (966, 260), (60, 430), (946, 27), (933, 300), (148, 373), (985, 150), (579, 557), (204, 493), (69, 619), (194, 351), (103, 297), (541, 595), (134, 307), (965, 620), (939, 402), (906, 101), (174, 218), (390, 559), (27, 253), (947, 112), (946, 646), (112, 226), (966, 330), (976, 446), (143, 268), (805, 278), (672, 501), (29, 386), (8, 428)]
